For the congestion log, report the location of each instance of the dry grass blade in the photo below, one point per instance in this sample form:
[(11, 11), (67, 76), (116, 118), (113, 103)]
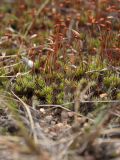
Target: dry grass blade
[(37, 14), (27, 108), (12, 65)]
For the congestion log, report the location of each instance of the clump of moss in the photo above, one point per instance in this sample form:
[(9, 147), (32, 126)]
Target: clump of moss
[(118, 96), (60, 98), (30, 85), (112, 81), (25, 86), (96, 64), (45, 94), (79, 73)]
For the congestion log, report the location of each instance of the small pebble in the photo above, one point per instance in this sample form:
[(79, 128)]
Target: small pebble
[(42, 110), (70, 114), (48, 119), (53, 122)]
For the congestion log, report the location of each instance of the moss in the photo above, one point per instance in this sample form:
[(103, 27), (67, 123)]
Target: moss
[(37, 64), (79, 73), (52, 81), (40, 82), (60, 98), (3, 130), (94, 76), (118, 96), (45, 95), (112, 81), (2, 71), (94, 43), (83, 82), (25, 86), (96, 64), (47, 92)]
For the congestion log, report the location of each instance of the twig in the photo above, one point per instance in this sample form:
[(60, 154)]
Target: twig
[(62, 107), (111, 68), (106, 101), (15, 76), (92, 71), (9, 56), (10, 65)]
